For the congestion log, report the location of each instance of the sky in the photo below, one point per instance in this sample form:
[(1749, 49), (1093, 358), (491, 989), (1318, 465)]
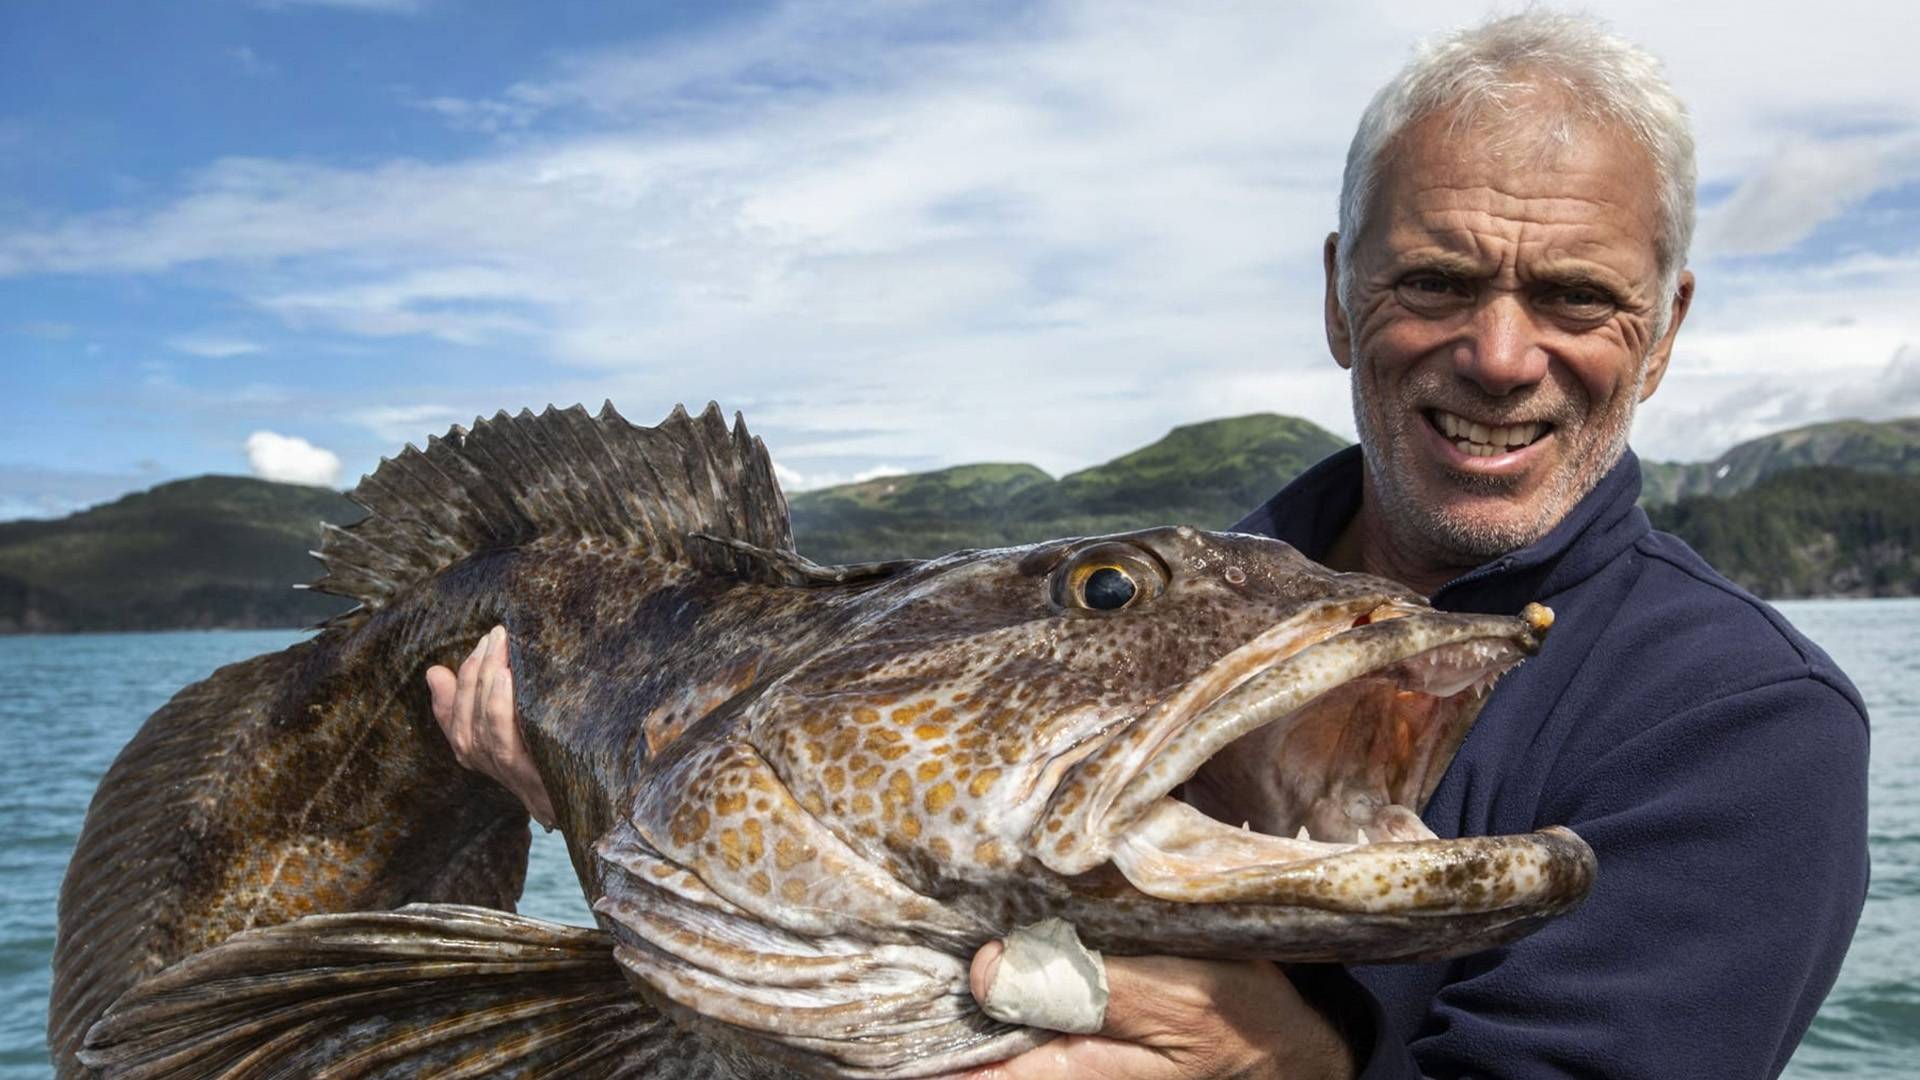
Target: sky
[(286, 237)]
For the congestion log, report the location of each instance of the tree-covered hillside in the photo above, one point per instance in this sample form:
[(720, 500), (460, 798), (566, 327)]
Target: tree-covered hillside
[(1820, 531), (211, 551), (1888, 446), (226, 551), (1205, 474)]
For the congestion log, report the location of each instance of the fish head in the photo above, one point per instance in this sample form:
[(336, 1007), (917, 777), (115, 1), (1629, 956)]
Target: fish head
[(1184, 741)]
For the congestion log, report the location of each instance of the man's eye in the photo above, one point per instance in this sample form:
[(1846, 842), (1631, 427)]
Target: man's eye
[(1585, 300), (1432, 291)]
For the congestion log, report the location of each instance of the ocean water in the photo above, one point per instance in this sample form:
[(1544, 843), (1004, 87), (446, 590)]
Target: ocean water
[(68, 703)]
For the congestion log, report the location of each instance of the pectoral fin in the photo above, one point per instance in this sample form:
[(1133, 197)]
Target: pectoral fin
[(431, 989)]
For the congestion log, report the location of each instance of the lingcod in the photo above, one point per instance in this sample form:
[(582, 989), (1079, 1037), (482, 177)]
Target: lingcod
[(797, 797)]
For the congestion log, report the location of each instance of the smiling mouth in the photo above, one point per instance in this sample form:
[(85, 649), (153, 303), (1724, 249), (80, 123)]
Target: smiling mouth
[(1480, 440)]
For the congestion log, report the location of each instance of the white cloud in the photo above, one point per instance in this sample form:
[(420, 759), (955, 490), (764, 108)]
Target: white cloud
[(290, 459), (249, 61), (792, 481), (1807, 183), (1047, 237), (397, 425), (213, 347)]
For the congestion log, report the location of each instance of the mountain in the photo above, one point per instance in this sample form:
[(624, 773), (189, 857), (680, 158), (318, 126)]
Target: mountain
[(1822, 510), (211, 551), (1817, 531), (1205, 474), (1889, 446)]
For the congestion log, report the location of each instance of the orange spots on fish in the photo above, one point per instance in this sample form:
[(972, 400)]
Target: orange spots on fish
[(756, 842), (940, 849), (896, 751), (689, 824), (910, 827), (813, 803), (987, 852), (938, 796), (928, 770), (982, 780), (868, 778), (793, 891), (789, 853), (907, 714), (866, 714), (731, 848), (863, 804), (958, 816), (730, 804), (835, 778), (760, 883), (927, 732)]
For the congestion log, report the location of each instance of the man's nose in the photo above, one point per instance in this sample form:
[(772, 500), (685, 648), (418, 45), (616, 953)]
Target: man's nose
[(1504, 352)]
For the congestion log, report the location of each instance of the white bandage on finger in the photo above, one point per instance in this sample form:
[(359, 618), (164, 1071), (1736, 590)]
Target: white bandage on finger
[(1047, 979)]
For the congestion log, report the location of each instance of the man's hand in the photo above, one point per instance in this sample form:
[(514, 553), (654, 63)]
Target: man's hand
[(475, 710), (1171, 1018)]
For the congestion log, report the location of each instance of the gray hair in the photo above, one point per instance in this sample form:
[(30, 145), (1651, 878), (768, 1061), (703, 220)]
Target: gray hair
[(1497, 69)]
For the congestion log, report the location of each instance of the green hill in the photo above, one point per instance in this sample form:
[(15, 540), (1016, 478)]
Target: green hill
[(1819, 531), (1823, 510), (1202, 474), (1889, 446), (211, 551)]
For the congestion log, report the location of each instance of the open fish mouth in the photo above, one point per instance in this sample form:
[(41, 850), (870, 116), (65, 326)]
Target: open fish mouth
[(1294, 769)]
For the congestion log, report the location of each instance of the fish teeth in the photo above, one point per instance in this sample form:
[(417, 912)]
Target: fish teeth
[(1363, 838), (1303, 834)]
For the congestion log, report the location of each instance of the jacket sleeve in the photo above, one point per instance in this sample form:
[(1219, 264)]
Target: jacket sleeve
[(1731, 842)]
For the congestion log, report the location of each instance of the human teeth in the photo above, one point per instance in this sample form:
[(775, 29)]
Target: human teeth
[(1479, 440)]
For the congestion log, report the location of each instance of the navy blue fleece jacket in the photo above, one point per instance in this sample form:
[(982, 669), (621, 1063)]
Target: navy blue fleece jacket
[(1714, 758)]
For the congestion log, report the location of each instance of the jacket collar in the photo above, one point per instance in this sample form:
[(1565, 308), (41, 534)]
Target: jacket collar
[(1310, 512)]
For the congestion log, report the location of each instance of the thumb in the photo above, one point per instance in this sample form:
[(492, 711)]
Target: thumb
[(986, 964)]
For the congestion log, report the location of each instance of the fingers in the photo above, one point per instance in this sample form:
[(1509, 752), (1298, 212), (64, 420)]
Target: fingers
[(986, 964), (475, 709)]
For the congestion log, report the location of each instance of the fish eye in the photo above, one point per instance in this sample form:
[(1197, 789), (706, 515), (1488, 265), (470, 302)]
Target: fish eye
[(1106, 577), (1107, 588)]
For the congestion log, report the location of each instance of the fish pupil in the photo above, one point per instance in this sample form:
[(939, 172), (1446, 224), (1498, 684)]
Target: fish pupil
[(1108, 588)]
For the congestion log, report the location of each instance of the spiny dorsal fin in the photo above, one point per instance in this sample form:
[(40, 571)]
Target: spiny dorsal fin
[(514, 479)]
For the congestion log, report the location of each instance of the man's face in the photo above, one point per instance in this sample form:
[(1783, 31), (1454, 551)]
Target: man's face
[(1501, 333)]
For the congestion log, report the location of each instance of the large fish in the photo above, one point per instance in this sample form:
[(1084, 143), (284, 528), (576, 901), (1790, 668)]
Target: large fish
[(798, 797)]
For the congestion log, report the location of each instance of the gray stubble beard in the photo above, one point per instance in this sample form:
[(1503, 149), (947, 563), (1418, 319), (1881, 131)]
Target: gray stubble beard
[(1443, 540)]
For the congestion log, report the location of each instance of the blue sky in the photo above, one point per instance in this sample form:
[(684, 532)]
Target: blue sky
[(287, 237)]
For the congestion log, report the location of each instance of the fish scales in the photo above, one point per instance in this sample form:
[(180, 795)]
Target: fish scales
[(797, 797)]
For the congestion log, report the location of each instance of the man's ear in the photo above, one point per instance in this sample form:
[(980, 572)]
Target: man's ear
[(1663, 349), (1339, 342)]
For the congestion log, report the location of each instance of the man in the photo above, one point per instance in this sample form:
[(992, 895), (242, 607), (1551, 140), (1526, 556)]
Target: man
[(1505, 288)]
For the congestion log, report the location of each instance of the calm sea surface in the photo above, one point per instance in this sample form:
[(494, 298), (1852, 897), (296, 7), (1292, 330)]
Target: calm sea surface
[(67, 705)]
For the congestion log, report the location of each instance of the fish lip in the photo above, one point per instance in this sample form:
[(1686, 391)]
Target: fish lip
[(1112, 790)]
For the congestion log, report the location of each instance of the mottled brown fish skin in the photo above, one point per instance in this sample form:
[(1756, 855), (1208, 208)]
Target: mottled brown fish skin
[(798, 797)]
